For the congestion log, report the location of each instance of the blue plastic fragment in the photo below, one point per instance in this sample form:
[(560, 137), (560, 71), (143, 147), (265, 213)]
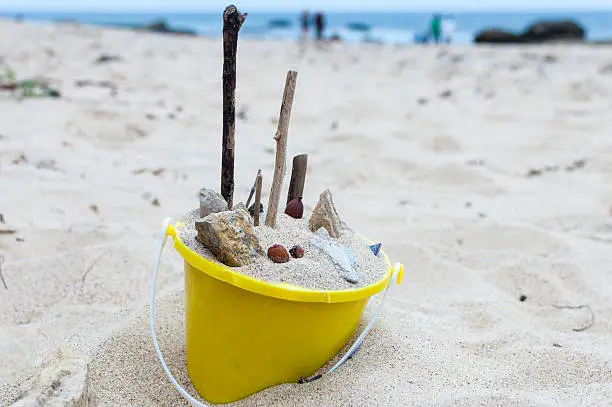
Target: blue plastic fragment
[(375, 248)]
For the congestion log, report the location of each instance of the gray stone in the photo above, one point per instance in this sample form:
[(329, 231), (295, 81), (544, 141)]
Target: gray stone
[(325, 215), (230, 236), (211, 202)]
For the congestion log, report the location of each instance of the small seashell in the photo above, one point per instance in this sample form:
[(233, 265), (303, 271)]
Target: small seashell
[(375, 248), (295, 208), (278, 254), (296, 252)]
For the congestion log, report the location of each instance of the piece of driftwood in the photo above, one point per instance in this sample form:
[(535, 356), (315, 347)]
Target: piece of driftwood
[(298, 177), (281, 148), (232, 21), (258, 182)]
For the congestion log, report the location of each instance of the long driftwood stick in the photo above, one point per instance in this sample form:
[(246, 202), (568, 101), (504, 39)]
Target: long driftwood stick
[(258, 182), (281, 148), (232, 21), (298, 177)]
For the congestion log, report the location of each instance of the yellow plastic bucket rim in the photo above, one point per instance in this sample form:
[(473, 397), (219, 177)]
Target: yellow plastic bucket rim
[(277, 290)]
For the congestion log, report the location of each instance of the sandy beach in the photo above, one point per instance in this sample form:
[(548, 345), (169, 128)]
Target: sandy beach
[(486, 171)]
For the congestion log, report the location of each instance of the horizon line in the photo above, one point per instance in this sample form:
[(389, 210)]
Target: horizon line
[(297, 10)]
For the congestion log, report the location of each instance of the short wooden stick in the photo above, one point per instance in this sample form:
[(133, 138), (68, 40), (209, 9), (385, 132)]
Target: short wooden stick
[(298, 177), (232, 21), (258, 182), (281, 148)]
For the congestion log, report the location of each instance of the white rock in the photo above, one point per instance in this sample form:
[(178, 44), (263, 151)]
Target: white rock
[(63, 381), (340, 255)]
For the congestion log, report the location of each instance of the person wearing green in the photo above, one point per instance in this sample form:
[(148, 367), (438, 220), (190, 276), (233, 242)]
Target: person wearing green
[(436, 27)]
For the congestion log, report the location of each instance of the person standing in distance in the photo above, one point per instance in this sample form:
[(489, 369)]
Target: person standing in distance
[(319, 25), (305, 24)]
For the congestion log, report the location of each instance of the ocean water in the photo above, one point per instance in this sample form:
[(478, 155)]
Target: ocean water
[(394, 28)]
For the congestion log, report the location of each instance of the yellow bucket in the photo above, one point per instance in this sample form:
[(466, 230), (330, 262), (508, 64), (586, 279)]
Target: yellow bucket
[(244, 335)]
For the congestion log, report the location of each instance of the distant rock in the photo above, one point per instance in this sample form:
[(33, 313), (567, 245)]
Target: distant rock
[(359, 26), (553, 31), (162, 27), (497, 36), (542, 31), (280, 23)]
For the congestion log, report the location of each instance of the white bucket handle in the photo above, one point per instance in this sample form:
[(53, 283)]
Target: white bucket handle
[(397, 275)]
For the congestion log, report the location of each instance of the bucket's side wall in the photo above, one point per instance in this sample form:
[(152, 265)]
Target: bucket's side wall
[(239, 342)]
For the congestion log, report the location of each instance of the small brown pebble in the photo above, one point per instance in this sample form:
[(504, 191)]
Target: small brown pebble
[(295, 208), (278, 254), (94, 208), (296, 252), (556, 345), (158, 171), (522, 298)]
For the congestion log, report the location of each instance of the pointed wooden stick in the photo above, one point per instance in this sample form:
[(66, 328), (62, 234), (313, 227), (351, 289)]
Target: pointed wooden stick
[(232, 21), (258, 182), (281, 148), (298, 177)]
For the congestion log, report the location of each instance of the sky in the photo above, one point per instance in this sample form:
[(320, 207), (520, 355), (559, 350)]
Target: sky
[(329, 5)]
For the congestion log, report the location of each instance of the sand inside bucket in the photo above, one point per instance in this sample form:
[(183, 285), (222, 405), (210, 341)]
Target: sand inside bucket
[(314, 271)]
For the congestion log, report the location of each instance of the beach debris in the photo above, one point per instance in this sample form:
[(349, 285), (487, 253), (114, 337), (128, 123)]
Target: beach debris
[(523, 298), (575, 165), (281, 148), (298, 177), (20, 159), (230, 236), (100, 84), (232, 21), (577, 307), (446, 94), (375, 248), (295, 208), (325, 215), (242, 113), (47, 164), (257, 207), (278, 254), (296, 252), (211, 202), (2, 220), (147, 196), (106, 58), (340, 255), (94, 208), (422, 101)]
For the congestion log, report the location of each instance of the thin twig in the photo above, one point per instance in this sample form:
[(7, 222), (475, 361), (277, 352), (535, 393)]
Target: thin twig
[(232, 21), (591, 322), (281, 148), (258, 182), (96, 261)]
